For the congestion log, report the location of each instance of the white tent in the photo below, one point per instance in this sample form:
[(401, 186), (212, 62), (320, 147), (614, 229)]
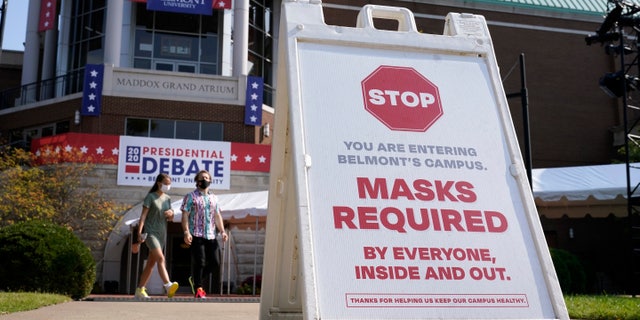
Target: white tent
[(601, 182), (575, 192)]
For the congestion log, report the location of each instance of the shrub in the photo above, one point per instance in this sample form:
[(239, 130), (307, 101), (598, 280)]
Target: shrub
[(39, 256), (571, 274), (246, 287)]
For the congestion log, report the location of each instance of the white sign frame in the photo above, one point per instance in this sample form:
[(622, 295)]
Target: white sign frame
[(330, 253)]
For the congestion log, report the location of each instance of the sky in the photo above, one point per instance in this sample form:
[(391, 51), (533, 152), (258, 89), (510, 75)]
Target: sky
[(16, 25)]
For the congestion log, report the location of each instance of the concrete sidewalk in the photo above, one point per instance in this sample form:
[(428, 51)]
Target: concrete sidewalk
[(125, 307)]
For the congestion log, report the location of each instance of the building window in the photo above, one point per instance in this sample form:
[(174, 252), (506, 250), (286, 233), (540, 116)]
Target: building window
[(171, 41), (22, 138), (174, 129), (188, 130), (86, 36), (261, 44), (161, 128)]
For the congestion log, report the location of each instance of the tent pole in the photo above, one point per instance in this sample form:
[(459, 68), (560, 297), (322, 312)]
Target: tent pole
[(255, 258)]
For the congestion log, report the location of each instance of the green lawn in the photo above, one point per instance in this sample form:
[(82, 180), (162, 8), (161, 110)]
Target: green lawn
[(23, 301), (603, 307), (579, 306)]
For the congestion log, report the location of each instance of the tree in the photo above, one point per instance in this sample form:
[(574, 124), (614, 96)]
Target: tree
[(52, 189), (634, 153)]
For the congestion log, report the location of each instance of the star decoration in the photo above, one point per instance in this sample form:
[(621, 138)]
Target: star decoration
[(247, 158), (84, 149), (99, 150)]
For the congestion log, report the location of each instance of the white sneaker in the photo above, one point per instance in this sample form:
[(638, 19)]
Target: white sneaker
[(141, 293), (171, 289)]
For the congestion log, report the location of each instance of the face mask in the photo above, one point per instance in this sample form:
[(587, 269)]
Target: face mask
[(165, 188), (203, 184)]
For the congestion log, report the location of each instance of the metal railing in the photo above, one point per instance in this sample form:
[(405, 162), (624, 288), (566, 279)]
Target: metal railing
[(43, 90)]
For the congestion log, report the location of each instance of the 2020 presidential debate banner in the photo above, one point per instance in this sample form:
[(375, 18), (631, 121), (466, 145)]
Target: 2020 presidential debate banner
[(141, 159)]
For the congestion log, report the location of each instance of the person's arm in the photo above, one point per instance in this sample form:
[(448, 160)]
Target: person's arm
[(220, 225), (185, 227), (143, 218)]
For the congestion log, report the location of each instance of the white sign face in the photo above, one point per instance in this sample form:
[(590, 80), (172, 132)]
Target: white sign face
[(140, 160), (413, 218)]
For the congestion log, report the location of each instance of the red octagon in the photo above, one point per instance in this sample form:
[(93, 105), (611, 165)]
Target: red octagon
[(401, 98)]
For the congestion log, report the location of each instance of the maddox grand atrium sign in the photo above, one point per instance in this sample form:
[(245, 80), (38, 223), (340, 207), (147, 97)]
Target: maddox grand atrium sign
[(141, 159), (174, 86), (403, 176)]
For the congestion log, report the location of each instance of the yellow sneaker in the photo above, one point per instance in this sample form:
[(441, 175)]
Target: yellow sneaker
[(141, 293), (171, 289)]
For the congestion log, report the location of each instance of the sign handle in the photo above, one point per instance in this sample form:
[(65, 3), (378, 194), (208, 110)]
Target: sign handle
[(404, 16)]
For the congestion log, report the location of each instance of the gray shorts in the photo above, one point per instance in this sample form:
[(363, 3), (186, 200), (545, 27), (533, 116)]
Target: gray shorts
[(153, 242)]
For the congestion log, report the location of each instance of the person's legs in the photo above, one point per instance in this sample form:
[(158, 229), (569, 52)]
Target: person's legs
[(213, 264), (141, 291), (197, 261), (160, 264), (146, 272), (156, 257)]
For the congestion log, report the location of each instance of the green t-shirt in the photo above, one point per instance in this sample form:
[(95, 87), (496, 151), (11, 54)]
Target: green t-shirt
[(156, 223)]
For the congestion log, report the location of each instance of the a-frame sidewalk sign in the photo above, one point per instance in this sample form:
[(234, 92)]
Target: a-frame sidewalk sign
[(397, 186)]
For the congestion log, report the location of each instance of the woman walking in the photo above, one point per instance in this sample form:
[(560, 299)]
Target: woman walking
[(156, 211)]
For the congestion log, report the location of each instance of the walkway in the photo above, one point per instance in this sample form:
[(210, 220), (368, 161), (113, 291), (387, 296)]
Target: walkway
[(118, 307)]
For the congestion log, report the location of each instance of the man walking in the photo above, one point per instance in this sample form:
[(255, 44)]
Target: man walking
[(200, 219)]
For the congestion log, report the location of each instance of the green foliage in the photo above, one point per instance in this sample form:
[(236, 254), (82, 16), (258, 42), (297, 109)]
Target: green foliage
[(25, 301), (43, 257), (246, 287), (33, 191), (570, 272), (603, 307), (634, 154)]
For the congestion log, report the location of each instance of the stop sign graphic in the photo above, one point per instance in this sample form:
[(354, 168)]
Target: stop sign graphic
[(401, 98)]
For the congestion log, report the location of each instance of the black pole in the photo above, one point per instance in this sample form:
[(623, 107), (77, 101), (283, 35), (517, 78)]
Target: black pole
[(524, 98), (3, 16)]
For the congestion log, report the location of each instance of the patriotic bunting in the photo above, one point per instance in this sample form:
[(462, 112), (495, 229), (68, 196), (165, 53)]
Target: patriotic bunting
[(101, 148), (47, 15), (92, 92), (253, 101), (222, 4)]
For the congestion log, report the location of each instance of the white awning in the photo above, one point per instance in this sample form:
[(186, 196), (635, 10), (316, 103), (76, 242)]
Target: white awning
[(601, 182)]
